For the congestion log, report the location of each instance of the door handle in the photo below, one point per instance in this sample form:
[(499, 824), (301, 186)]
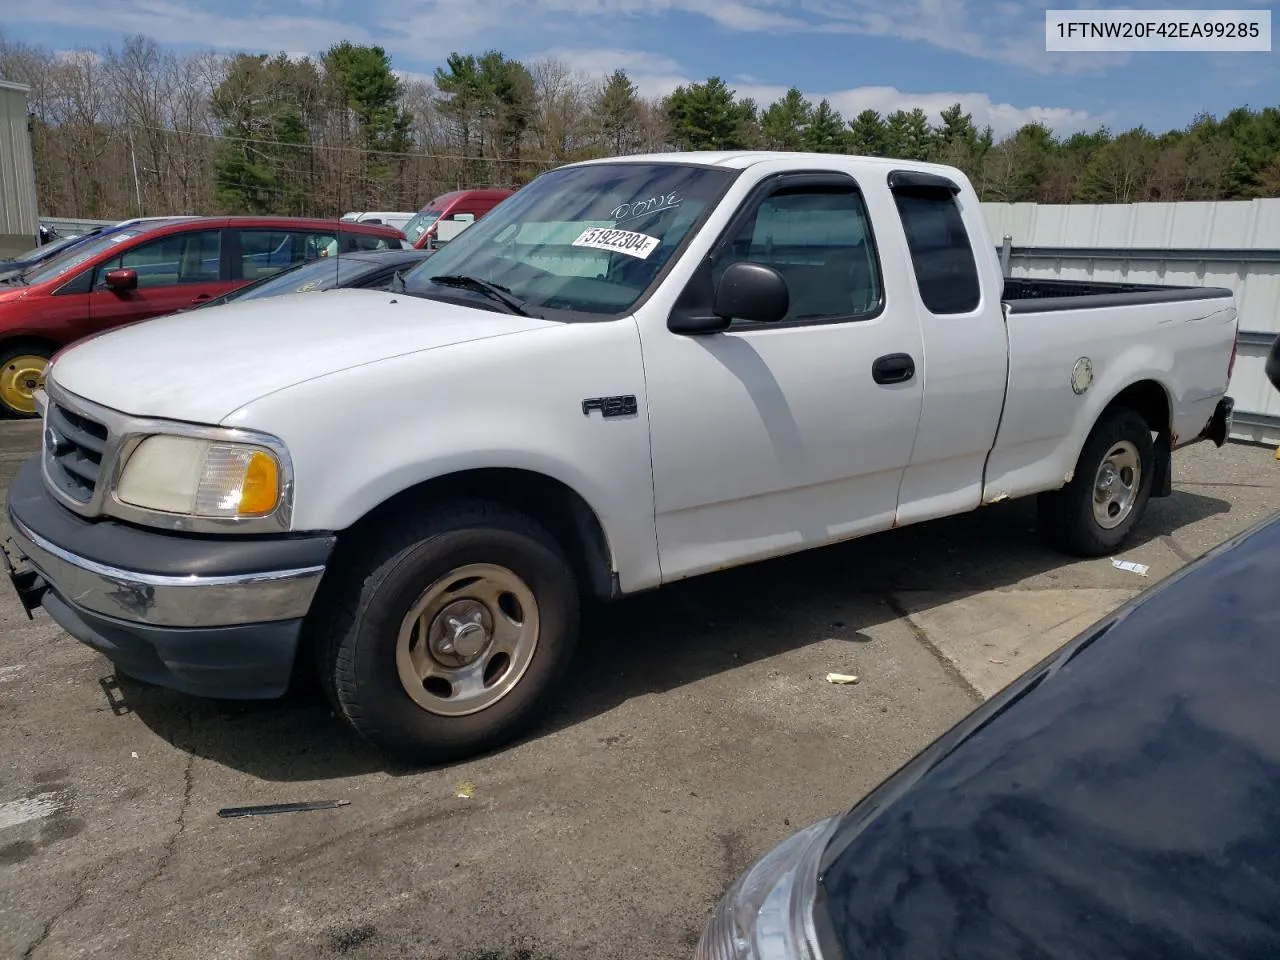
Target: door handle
[(893, 368), (203, 296)]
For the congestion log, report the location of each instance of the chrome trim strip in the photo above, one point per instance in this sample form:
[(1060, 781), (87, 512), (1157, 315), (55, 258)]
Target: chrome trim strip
[(169, 601), (125, 432)]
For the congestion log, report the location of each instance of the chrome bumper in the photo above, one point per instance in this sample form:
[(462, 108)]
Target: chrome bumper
[(168, 601)]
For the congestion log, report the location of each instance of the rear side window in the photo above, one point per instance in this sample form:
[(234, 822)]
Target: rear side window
[(264, 252), (946, 273), (364, 241)]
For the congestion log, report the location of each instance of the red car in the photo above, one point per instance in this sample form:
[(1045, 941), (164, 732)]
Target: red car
[(464, 205), (147, 269)]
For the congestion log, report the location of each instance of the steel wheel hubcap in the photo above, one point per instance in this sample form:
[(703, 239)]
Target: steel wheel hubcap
[(467, 640), (1115, 488), (20, 378)]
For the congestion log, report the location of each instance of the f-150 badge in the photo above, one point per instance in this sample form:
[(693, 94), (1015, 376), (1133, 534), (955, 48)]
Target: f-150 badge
[(611, 406)]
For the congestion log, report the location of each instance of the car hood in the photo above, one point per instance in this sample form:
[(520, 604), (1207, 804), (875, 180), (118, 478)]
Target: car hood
[(203, 365)]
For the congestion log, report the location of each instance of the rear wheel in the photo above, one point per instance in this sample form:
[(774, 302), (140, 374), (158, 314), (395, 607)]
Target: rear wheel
[(1108, 494), (21, 375), (448, 635)]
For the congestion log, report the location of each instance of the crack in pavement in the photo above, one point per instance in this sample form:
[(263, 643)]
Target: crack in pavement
[(922, 636), (180, 824), (82, 889)]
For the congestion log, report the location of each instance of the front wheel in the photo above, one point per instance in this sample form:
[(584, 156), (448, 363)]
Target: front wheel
[(1095, 513), (21, 375), (447, 635)]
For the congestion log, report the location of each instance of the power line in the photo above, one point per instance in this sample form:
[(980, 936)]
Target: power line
[(369, 151)]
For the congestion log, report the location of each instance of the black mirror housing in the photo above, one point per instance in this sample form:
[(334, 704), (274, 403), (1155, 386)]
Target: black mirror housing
[(751, 291)]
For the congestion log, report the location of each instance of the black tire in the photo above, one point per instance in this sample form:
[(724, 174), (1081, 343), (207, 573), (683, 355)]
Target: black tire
[(1067, 516), (10, 373), (377, 582)]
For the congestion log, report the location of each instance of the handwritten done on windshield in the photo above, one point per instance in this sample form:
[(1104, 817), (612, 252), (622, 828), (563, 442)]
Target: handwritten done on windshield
[(626, 212)]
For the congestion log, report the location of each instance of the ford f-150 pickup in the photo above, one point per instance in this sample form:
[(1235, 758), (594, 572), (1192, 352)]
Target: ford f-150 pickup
[(634, 371)]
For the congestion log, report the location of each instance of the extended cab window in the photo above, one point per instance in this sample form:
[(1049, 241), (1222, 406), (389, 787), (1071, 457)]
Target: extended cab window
[(589, 239), (946, 273), (819, 239), (193, 257)]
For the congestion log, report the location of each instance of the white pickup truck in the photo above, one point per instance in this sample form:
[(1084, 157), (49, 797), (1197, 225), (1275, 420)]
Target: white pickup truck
[(634, 371)]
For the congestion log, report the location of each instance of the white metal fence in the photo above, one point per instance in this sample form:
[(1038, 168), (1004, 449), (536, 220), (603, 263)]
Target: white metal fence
[(1233, 244)]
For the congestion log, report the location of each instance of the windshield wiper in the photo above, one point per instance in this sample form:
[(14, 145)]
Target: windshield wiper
[(494, 291)]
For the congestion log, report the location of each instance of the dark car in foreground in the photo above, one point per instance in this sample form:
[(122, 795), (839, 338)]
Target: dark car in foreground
[(366, 269), (1119, 800)]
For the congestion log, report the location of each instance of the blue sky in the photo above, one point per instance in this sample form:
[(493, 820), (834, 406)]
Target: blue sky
[(884, 54)]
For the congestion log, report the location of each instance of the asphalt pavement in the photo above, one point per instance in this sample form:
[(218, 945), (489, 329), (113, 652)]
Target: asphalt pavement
[(697, 732)]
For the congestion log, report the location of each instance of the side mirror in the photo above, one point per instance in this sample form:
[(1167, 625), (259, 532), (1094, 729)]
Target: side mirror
[(751, 291), (124, 279), (1273, 363), (747, 291)]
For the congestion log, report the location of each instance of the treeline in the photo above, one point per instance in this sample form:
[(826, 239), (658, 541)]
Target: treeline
[(141, 130)]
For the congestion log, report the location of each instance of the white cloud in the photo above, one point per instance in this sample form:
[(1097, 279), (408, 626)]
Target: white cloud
[(656, 75), (414, 76), (1004, 31), (427, 30), (173, 22), (604, 60), (1002, 117)]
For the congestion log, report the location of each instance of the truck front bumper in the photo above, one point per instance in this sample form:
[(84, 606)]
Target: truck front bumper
[(212, 616)]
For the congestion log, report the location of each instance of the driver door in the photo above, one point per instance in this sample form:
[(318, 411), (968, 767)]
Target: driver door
[(771, 438), (174, 272)]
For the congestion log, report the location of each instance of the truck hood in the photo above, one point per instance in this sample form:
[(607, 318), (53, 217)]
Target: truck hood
[(203, 365)]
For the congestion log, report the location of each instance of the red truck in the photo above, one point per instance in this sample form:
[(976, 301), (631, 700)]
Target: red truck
[(462, 205), (147, 269)]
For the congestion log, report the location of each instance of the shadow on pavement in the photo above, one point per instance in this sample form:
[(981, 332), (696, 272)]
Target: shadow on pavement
[(666, 638)]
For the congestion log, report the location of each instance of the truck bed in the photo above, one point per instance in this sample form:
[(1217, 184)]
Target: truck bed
[(1176, 340), (1036, 295)]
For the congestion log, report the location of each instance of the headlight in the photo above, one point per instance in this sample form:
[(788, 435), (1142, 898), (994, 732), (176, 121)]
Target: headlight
[(768, 913), (201, 478)]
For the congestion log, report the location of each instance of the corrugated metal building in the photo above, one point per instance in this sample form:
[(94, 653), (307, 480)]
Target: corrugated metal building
[(19, 215), (1230, 243)]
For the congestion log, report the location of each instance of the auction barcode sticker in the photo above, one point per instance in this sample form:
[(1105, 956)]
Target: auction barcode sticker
[(1135, 31), (638, 245)]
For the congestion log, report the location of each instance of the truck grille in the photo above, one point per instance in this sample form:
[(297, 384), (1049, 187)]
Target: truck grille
[(74, 445)]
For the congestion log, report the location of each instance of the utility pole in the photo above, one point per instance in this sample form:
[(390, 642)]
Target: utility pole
[(137, 183)]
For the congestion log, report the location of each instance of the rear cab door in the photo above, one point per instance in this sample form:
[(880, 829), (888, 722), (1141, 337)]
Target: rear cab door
[(955, 291), (180, 268)]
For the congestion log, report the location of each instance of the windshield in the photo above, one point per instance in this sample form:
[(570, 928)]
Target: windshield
[(47, 250), (78, 254), (588, 239), (419, 224)]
